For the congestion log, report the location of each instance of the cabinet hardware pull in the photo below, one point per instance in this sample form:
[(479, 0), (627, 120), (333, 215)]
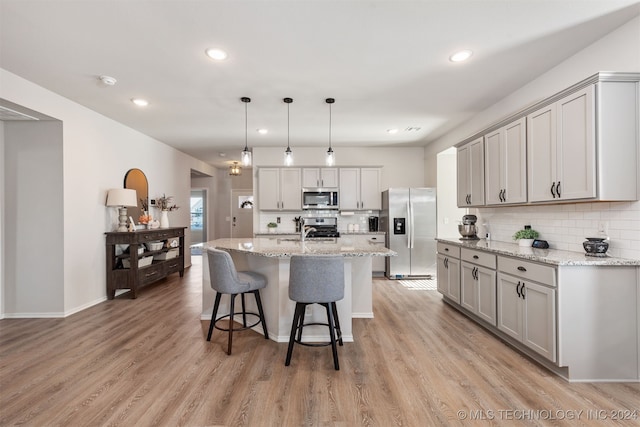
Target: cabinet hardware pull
[(553, 186), (518, 289), (521, 268), (151, 274), (446, 249), (558, 189), (476, 257), (522, 291), (446, 263), (504, 195)]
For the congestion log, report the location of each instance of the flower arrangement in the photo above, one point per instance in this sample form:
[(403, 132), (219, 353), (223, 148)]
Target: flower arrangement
[(164, 203), (145, 219)]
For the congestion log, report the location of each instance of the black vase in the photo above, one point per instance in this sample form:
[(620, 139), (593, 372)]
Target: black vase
[(596, 246)]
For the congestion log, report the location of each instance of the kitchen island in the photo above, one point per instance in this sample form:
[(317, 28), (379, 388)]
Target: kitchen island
[(271, 256)]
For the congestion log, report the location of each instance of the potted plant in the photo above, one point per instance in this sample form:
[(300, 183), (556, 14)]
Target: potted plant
[(526, 236), (272, 227)]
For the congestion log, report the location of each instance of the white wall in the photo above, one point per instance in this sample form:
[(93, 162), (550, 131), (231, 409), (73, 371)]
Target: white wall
[(2, 238), (449, 214), (565, 226), (96, 154)]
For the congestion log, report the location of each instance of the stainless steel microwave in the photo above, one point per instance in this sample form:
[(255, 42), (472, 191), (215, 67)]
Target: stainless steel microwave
[(319, 198)]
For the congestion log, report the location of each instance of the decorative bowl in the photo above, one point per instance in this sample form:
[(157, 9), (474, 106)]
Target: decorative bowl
[(596, 246)]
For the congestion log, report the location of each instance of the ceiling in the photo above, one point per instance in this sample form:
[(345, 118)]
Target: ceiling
[(385, 63)]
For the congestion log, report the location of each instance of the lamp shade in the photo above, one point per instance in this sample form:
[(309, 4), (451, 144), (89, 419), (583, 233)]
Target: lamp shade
[(122, 197)]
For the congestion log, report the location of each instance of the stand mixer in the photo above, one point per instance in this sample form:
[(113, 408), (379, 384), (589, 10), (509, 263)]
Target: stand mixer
[(468, 229)]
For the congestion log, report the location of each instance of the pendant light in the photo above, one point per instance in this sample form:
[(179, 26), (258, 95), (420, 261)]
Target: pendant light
[(246, 154), (288, 154), (331, 157), (235, 169)]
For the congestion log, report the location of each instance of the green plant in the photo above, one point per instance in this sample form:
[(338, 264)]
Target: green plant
[(527, 233), (272, 225)]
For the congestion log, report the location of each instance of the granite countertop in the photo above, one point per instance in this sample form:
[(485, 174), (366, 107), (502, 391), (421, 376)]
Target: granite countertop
[(285, 247), (342, 233), (547, 256)]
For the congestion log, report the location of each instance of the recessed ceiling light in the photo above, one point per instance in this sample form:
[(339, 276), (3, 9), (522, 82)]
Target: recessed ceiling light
[(140, 102), (392, 130), (460, 56), (263, 131), (108, 80), (217, 54)]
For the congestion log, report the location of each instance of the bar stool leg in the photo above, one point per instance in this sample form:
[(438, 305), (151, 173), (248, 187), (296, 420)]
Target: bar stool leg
[(213, 315), (256, 293), (296, 316), (337, 320), (231, 307), (244, 312), (334, 349), (300, 325)]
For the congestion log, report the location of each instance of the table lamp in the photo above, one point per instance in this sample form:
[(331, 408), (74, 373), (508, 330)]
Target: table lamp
[(121, 198)]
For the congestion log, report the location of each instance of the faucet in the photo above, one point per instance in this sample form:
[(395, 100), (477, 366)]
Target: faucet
[(305, 230)]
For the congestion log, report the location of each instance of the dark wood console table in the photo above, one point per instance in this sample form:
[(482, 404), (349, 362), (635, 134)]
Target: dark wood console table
[(132, 276)]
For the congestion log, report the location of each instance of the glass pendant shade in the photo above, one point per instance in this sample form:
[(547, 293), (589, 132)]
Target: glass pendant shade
[(246, 157), (288, 157)]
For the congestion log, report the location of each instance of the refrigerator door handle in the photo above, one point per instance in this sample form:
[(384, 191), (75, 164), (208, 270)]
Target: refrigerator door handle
[(411, 226)]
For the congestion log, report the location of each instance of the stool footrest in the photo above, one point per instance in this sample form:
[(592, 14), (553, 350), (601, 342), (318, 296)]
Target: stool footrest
[(244, 328)]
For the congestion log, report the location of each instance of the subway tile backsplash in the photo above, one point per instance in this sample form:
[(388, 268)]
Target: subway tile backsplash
[(566, 226)]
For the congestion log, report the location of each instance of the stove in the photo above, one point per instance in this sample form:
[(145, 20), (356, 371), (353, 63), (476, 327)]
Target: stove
[(325, 227)]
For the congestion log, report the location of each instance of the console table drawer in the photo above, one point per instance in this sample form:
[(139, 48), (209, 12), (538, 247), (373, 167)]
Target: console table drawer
[(174, 265), (151, 273)]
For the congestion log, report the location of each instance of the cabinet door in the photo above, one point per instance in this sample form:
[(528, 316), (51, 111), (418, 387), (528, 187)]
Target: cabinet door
[(576, 150), (468, 287), (541, 158), (311, 177), (514, 168), (370, 196), (486, 294), (349, 188), (290, 189), (329, 177), (476, 178), (269, 188), (463, 176), (510, 304), (443, 276), (539, 331), (494, 167), (453, 268)]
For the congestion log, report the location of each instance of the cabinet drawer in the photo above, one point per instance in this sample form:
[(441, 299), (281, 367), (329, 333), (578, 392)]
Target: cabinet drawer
[(151, 273), (173, 265), (479, 257), (528, 270), (449, 250)]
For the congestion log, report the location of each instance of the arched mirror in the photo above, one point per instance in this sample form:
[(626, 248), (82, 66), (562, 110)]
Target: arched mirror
[(135, 179)]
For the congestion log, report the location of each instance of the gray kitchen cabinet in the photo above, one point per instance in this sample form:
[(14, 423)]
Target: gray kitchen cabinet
[(448, 271), (471, 174), (360, 189), (478, 284), (584, 145), (506, 164), (280, 189), (320, 177), (527, 309)]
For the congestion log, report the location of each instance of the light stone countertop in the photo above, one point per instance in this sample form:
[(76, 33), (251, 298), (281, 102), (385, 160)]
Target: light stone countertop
[(547, 256), (284, 247)]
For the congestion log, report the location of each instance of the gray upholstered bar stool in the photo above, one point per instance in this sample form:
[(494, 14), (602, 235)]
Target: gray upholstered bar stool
[(316, 279), (225, 279)]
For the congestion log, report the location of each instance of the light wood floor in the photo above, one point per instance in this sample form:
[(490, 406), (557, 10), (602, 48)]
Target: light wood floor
[(146, 362)]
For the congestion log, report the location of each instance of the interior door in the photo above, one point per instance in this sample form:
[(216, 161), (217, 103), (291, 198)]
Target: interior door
[(241, 213)]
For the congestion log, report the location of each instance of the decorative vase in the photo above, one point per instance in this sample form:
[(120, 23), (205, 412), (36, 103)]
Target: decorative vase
[(525, 242), (596, 246), (272, 229), (164, 219)]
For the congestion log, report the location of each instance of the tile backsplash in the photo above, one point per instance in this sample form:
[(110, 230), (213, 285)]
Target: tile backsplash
[(566, 226), (287, 223)]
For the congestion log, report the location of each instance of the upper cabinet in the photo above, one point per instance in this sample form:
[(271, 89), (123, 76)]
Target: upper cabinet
[(320, 177), (471, 174), (506, 164), (584, 146), (360, 189), (579, 145), (280, 189)]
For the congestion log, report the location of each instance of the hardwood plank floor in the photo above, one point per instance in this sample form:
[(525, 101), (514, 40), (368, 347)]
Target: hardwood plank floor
[(146, 362)]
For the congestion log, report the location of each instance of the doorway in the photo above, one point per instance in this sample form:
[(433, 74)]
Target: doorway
[(241, 213), (198, 225)]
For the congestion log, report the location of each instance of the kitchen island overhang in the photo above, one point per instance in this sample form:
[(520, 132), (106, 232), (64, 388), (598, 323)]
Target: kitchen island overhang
[(270, 256)]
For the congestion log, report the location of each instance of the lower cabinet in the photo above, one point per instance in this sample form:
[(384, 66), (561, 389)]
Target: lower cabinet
[(478, 291), (449, 277), (527, 312)]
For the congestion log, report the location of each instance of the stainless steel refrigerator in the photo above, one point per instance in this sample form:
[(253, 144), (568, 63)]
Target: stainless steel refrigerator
[(409, 219)]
